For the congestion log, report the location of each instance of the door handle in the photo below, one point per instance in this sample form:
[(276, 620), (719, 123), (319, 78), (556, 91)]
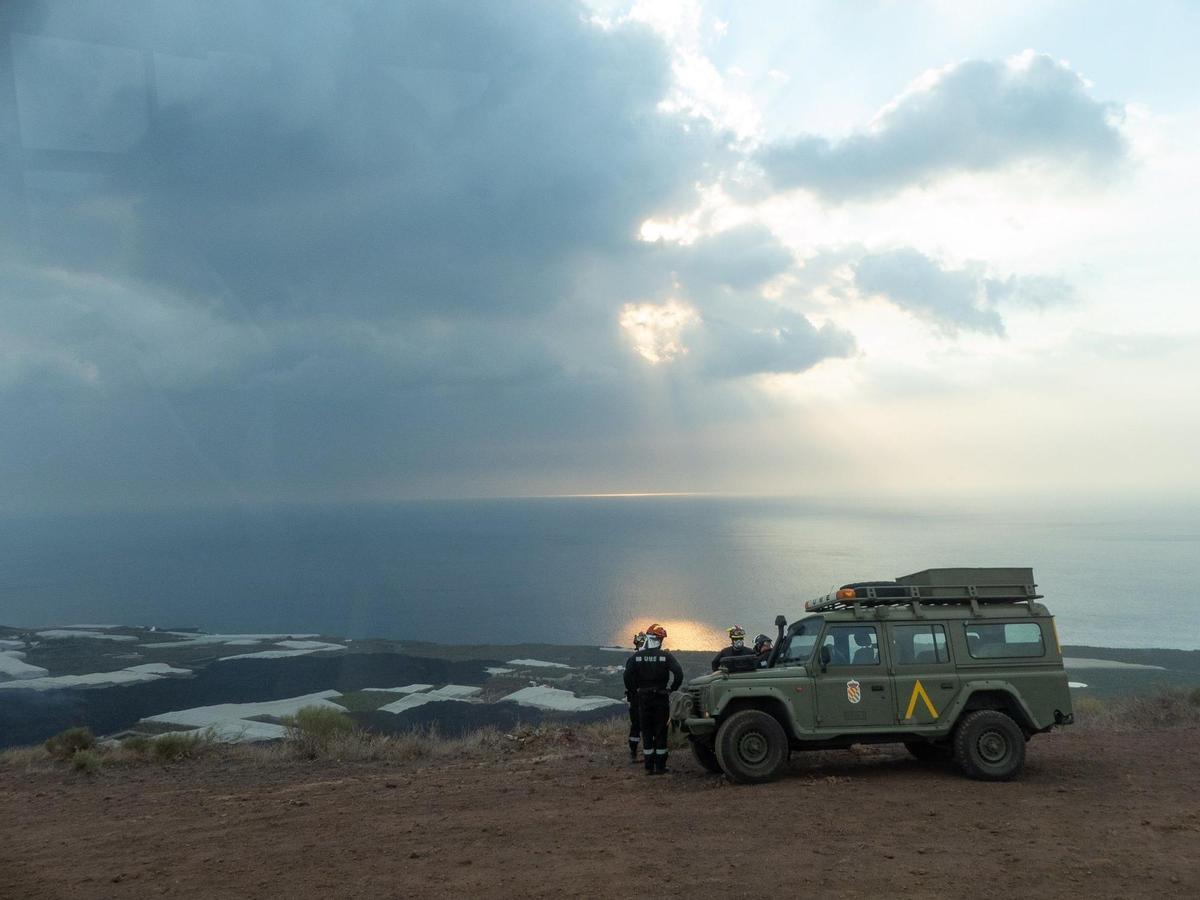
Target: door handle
[(877, 687), (947, 685)]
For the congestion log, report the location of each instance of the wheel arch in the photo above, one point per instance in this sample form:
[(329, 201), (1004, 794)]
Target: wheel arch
[(1001, 698), (772, 705)]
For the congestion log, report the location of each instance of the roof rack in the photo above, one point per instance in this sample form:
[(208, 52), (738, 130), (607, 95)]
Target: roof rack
[(935, 586)]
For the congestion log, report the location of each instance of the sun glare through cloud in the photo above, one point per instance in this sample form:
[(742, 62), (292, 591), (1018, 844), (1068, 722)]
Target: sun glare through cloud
[(656, 330), (682, 634)]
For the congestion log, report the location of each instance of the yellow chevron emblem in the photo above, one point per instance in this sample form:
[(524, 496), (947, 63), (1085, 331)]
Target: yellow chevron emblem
[(919, 691)]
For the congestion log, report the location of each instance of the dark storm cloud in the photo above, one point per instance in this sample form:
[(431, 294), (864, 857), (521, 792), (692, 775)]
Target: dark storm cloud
[(966, 299), (281, 248), (975, 116)]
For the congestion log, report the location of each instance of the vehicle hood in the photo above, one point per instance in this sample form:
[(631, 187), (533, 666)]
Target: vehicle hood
[(705, 679)]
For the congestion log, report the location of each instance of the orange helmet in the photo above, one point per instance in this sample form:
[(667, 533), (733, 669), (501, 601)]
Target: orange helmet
[(657, 631)]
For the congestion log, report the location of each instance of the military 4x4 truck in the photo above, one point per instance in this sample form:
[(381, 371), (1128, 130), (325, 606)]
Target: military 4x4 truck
[(953, 663)]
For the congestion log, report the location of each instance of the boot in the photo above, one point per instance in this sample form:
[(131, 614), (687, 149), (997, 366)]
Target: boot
[(633, 750), (660, 764)]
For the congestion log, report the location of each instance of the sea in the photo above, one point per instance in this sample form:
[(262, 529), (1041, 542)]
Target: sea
[(585, 570)]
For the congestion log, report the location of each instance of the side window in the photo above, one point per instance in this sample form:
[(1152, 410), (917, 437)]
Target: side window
[(1008, 640), (852, 645), (916, 645)]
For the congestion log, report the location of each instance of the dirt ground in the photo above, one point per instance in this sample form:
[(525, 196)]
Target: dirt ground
[(1095, 815)]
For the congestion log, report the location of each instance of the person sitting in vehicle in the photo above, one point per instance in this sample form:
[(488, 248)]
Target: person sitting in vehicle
[(737, 646), (866, 653), (762, 647)]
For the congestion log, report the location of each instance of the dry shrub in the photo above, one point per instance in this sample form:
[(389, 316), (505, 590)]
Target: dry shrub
[(137, 744), (86, 761), (356, 745), (179, 745), (315, 732), (24, 757), (1142, 712), (64, 745)]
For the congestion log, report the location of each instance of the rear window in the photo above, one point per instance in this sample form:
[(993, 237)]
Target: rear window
[(915, 645), (1008, 640)]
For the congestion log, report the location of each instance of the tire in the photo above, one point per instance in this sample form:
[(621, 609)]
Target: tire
[(751, 747), (927, 752), (989, 746), (706, 756)]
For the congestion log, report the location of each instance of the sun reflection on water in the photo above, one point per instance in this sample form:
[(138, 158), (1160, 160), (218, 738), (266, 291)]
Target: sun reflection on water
[(682, 634)]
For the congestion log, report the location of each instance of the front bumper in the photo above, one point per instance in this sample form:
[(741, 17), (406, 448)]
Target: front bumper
[(699, 726)]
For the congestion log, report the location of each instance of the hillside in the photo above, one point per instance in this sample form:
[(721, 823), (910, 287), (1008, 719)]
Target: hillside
[(562, 814)]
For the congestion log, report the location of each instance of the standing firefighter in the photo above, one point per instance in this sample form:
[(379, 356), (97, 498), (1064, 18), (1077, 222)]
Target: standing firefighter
[(635, 719), (737, 646), (651, 674)]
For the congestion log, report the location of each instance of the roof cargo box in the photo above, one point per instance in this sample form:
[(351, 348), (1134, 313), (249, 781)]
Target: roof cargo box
[(988, 582)]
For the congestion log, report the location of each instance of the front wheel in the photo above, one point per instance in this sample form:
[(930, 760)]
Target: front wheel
[(706, 756), (989, 746), (751, 747)]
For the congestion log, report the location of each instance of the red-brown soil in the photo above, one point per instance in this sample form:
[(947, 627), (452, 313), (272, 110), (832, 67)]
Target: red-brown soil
[(1094, 815)]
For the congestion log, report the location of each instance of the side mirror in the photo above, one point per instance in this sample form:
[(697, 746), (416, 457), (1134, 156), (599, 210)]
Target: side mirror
[(826, 656)]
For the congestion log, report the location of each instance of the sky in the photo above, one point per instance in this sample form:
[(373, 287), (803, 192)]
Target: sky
[(302, 251)]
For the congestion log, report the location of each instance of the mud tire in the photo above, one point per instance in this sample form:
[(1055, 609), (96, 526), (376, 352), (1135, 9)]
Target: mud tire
[(989, 746), (751, 747)]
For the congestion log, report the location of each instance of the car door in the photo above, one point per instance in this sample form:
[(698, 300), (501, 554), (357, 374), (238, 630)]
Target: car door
[(926, 681), (853, 686)]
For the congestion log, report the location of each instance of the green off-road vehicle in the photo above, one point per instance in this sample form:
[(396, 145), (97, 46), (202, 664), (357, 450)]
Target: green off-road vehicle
[(953, 663)]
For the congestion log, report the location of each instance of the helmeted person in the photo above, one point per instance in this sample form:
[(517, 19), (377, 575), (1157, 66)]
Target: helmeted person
[(737, 646), (762, 648), (635, 722), (651, 674)]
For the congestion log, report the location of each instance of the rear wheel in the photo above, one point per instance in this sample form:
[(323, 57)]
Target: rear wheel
[(751, 747), (706, 756), (927, 752), (989, 746)]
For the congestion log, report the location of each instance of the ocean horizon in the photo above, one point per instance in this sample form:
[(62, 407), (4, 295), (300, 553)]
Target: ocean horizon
[(583, 570)]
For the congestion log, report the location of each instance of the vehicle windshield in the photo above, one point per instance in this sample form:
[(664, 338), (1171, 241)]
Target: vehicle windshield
[(799, 646)]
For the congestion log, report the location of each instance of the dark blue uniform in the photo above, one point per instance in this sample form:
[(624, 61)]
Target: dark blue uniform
[(635, 724), (731, 650), (650, 676)]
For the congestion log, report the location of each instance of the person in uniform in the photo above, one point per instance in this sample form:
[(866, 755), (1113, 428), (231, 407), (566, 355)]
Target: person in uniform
[(762, 647), (737, 646), (635, 727), (651, 674)]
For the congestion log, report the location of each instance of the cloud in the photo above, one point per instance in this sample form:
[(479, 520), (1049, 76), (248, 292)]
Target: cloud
[(974, 116), (786, 343), (278, 249), (966, 299)]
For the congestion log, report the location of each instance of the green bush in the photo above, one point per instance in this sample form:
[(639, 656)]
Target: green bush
[(137, 743), (86, 761), (66, 744), (319, 723), (180, 745)]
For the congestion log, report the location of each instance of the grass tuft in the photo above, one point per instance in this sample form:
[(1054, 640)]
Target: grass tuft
[(1140, 712), (180, 745), (86, 761)]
